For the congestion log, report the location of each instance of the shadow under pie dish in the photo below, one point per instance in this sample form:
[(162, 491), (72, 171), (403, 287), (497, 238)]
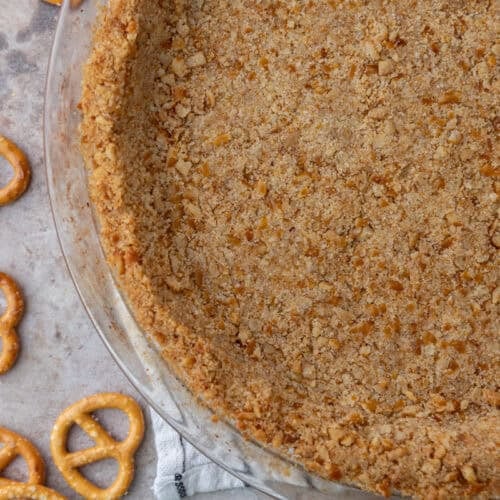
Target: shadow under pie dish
[(299, 201)]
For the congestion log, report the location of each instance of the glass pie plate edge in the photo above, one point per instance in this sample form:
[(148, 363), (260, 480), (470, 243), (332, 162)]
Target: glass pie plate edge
[(139, 360)]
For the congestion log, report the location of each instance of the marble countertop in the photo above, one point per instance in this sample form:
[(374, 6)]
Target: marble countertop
[(62, 358)]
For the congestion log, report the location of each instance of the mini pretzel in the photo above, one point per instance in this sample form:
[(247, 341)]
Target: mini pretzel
[(106, 447), (73, 3), (11, 490), (22, 173), (8, 321), (15, 446)]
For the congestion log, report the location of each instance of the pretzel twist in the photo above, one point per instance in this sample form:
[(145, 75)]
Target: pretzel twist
[(11, 490), (15, 446), (22, 173), (73, 3), (105, 447), (8, 321)]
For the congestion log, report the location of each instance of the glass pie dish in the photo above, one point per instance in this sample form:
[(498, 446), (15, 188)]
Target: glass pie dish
[(140, 361)]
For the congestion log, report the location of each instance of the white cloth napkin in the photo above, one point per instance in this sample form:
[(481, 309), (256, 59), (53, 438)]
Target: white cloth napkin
[(182, 471)]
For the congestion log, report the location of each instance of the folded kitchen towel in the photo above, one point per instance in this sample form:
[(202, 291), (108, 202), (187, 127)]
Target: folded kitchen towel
[(182, 471)]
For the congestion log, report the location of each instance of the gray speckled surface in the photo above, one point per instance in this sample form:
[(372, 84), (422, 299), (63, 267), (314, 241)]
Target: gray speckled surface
[(62, 357)]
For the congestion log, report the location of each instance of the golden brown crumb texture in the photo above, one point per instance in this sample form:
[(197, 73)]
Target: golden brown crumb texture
[(300, 200)]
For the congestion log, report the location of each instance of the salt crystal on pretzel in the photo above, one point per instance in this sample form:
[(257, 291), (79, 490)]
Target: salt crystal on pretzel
[(105, 447)]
